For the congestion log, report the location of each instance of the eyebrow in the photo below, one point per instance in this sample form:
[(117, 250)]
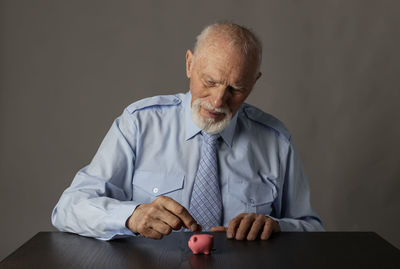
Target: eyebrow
[(237, 87), (208, 77)]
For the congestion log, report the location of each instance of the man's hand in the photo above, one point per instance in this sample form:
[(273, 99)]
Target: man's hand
[(160, 217), (249, 226)]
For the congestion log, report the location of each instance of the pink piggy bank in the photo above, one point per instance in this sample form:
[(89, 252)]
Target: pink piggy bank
[(201, 243)]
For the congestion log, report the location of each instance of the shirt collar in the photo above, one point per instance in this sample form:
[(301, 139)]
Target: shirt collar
[(191, 129)]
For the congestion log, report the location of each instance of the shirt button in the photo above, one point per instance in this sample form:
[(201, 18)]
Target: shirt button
[(155, 190), (251, 201)]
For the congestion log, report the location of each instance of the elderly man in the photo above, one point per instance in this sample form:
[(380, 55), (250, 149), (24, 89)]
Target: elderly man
[(203, 160)]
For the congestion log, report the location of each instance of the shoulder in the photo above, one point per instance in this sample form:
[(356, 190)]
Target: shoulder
[(155, 102), (266, 120)]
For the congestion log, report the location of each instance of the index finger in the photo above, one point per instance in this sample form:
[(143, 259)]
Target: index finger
[(218, 229), (180, 211)]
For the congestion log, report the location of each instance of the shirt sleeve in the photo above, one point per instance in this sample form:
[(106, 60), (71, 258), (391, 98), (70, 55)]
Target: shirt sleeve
[(99, 200), (296, 212)]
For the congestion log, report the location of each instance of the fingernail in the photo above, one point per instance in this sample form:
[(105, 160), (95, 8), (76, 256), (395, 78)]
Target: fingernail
[(229, 235), (193, 227)]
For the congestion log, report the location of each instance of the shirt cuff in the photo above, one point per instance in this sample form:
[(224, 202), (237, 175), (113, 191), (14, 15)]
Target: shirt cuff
[(295, 225), (119, 216)]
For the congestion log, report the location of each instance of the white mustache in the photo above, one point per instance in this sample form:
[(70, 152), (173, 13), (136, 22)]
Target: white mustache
[(208, 106)]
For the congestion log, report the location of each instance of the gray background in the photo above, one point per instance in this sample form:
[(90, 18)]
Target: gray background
[(331, 72)]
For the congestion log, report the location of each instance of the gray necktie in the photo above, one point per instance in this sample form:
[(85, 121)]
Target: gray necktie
[(206, 201)]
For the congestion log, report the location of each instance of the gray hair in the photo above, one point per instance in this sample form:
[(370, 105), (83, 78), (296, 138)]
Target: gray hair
[(238, 36)]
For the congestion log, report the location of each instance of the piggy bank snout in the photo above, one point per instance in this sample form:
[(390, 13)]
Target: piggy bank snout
[(193, 240)]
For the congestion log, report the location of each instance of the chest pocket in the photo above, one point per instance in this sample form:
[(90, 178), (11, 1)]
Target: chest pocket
[(256, 195), (148, 185)]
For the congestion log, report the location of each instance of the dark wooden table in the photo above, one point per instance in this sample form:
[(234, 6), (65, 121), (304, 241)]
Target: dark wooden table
[(283, 250)]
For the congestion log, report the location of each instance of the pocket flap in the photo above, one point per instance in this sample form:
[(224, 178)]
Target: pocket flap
[(158, 184), (257, 192)]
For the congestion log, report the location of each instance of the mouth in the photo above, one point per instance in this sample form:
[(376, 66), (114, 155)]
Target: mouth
[(212, 114)]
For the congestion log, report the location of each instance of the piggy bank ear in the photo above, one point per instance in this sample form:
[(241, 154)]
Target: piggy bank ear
[(194, 238)]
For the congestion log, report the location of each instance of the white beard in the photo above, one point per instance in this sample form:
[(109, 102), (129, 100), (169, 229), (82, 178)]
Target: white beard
[(210, 125)]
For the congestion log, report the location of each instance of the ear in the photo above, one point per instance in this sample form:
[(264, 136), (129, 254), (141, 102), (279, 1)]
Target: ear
[(189, 62)]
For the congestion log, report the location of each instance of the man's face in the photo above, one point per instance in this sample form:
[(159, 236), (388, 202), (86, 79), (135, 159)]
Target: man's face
[(220, 80)]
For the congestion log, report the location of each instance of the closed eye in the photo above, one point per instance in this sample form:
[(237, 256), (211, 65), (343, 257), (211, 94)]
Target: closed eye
[(235, 90)]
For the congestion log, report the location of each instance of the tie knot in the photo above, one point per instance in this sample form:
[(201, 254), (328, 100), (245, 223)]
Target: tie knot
[(210, 138)]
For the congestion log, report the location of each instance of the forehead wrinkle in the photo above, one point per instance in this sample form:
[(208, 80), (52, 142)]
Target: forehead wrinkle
[(223, 75)]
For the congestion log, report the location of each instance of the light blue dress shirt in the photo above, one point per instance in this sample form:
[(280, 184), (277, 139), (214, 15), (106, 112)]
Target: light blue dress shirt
[(153, 149)]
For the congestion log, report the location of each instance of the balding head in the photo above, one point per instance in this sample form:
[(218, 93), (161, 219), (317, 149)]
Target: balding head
[(230, 36)]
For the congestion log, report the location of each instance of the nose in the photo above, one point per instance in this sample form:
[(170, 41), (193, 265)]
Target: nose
[(219, 96)]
